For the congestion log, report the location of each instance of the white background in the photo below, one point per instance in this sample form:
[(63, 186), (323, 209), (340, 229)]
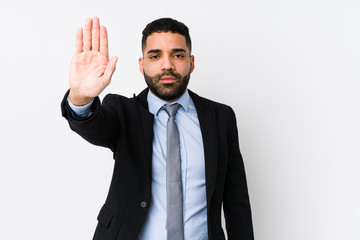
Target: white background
[(290, 70)]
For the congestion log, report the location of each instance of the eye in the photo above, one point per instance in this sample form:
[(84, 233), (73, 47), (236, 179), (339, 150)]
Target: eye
[(179, 55), (154, 57)]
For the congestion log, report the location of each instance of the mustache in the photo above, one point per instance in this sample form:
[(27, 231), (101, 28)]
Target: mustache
[(169, 73)]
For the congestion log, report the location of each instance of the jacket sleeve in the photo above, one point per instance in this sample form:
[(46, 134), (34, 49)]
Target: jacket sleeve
[(102, 127), (236, 198)]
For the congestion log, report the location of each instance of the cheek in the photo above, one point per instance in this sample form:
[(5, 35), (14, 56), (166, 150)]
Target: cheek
[(150, 69), (184, 69)]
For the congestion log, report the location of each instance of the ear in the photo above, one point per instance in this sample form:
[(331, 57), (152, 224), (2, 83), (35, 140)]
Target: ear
[(141, 65), (192, 63)]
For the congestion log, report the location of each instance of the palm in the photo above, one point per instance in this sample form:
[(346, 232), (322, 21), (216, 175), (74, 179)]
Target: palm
[(90, 69), (87, 72)]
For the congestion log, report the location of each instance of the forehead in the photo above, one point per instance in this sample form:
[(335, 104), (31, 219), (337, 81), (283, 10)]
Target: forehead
[(165, 41)]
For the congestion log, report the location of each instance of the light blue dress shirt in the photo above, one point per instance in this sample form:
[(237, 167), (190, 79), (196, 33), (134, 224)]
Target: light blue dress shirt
[(192, 168)]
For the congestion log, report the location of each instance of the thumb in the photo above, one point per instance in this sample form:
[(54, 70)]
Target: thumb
[(110, 69)]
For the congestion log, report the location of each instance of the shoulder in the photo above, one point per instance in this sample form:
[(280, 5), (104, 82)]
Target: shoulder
[(127, 105), (116, 100), (115, 97), (140, 99), (205, 103)]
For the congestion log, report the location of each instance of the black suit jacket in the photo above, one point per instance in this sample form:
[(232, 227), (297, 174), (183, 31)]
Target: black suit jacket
[(126, 127)]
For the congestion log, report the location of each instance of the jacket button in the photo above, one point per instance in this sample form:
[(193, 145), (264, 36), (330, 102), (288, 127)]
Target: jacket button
[(143, 204)]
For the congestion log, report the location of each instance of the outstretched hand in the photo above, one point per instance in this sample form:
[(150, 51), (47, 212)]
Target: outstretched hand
[(90, 68)]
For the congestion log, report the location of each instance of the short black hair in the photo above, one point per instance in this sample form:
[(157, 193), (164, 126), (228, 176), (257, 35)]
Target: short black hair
[(166, 25)]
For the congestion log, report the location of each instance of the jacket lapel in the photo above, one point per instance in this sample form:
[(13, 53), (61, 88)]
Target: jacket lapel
[(207, 120), (147, 122)]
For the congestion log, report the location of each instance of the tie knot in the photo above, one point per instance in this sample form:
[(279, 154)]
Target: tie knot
[(172, 109)]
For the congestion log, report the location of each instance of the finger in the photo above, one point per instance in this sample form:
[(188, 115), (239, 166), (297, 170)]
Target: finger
[(87, 34), (109, 71), (78, 41), (104, 48), (95, 34)]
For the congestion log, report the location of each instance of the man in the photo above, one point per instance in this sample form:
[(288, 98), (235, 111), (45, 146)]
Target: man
[(170, 177)]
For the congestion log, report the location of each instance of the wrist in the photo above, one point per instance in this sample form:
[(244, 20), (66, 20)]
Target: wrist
[(78, 100)]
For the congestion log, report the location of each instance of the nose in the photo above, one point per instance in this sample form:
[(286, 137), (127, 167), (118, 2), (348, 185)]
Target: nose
[(167, 64)]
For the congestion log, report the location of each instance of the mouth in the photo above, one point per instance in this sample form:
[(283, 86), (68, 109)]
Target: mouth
[(167, 79)]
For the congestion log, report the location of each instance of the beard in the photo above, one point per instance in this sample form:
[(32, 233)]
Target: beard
[(167, 91)]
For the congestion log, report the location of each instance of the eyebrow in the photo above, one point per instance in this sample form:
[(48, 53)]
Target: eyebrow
[(153, 51), (173, 50), (178, 50)]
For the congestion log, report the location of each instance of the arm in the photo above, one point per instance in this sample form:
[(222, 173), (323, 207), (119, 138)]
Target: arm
[(102, 126), (236, 199), (90, 72)]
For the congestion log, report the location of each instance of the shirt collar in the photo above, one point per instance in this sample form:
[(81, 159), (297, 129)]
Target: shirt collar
[(156, 103)]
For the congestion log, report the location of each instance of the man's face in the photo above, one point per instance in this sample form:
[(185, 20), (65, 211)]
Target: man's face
[(166, 65)]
